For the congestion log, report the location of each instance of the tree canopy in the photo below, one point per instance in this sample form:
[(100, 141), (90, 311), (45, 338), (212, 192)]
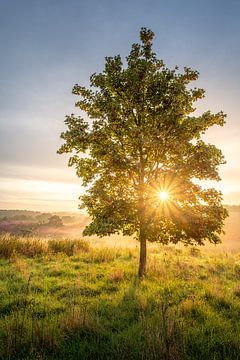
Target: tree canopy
[(55, 220), (142, 138)]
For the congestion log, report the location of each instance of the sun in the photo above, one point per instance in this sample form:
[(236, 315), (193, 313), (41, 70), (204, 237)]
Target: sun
[(163, 195)]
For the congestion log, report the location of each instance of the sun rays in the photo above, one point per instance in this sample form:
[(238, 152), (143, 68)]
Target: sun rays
[(163, 195)]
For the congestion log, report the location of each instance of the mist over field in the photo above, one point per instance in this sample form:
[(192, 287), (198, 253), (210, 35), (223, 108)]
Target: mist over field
[(231, 238), (18, 221), (63, 296)]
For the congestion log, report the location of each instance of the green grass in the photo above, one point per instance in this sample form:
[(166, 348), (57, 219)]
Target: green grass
[(68, 300)]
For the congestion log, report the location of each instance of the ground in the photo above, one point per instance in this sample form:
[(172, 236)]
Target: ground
[(71, 300)]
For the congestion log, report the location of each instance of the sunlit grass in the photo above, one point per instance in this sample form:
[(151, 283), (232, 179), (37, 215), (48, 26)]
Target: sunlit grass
[(70, 300)]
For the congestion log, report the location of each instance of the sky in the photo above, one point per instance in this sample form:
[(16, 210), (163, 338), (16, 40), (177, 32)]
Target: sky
[(47, 46)]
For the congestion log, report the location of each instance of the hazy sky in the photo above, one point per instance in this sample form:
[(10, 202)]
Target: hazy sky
[(49, 45)]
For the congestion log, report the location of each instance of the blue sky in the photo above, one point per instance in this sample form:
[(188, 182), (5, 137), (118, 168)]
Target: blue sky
[(47, 46)]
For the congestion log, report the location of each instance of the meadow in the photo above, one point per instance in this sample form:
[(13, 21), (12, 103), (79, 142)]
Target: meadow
[(67, 299)]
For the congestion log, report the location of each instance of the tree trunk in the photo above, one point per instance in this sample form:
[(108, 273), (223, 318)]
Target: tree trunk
[(143, 253)]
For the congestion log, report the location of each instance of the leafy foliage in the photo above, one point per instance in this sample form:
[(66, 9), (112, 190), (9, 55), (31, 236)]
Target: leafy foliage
[(55, 220), (142, 137)]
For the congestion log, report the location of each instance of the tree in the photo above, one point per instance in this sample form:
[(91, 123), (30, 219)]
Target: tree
[(55, 220), (142, 141)]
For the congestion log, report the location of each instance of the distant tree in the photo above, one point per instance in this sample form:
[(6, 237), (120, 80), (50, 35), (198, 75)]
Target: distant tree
[(140, 152), (55, 220), (42, 218)]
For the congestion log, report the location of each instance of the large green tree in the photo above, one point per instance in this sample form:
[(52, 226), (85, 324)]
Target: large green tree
[(142, 140)]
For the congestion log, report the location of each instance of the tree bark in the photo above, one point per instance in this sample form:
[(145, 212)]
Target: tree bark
[(143, 253)]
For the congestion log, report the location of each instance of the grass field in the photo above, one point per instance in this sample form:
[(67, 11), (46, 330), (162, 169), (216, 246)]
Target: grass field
[(69, 300)]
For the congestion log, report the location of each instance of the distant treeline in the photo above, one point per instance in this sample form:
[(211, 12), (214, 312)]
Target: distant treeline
[(66, 217), (37, 216)]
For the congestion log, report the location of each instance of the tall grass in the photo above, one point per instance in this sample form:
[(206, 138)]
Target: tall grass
[(12, 245), (68, 247)]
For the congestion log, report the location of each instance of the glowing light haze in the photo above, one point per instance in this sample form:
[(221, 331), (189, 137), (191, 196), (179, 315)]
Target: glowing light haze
[(163, 195), (48, 46)]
